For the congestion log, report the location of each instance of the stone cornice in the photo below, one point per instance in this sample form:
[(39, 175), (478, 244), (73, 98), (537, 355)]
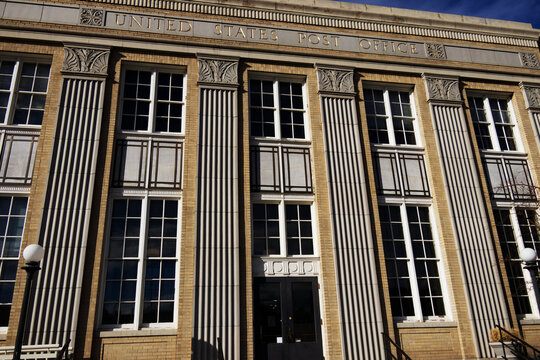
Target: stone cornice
[(359, 17)]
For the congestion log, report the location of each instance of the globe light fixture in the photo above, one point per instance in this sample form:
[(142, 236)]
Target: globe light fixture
[(33, 255)]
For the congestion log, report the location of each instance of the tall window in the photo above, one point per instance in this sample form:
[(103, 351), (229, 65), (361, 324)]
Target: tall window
[(149, 145), (280, 153), (12, 218), (412, 263), (517, 229), (280, 164), (23, 91), (390, 117), (277, 109), (152, 101), (142, 263), (282, 229), (493, 123)]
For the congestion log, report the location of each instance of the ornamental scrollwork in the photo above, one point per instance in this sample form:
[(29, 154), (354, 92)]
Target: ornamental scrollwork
[(335, 80), (443, 89), (529, 60), (435, 51), (92, 17), (532, 93), (218, 71), (84, 60)]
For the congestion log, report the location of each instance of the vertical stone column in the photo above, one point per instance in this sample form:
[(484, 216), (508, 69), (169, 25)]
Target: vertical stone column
[(357, 285), (66, 208), (484, 292), (532, 97), (216, 312)]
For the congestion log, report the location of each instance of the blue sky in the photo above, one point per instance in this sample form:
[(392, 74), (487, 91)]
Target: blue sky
[(517, 10)]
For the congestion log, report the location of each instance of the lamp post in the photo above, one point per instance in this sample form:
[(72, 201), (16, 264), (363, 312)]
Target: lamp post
[(528, 256), (33, 255)]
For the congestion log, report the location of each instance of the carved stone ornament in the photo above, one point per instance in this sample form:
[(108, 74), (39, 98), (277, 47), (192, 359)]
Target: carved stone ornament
[(529, 60), (87, 61), (218, 71), (443, 89), (435, 51), (92, 17), (532, 93), (335, 80)]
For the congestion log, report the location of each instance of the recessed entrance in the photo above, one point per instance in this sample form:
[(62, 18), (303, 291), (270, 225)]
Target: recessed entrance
[(287, 319)]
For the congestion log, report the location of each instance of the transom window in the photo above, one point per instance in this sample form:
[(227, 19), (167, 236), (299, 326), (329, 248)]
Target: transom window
[(282, 229), (517, 230), (412, 262), (23, 91), (277, 109), (390, 117), (493, 123), (152, 101), (12, 218), (142, 263)]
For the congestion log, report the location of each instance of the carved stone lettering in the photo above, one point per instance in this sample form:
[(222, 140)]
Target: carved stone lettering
[(532, 93), (84, 60), (529, 60), (442, 89), (218, 71), (92, 17), (435, 51), (335, 80)]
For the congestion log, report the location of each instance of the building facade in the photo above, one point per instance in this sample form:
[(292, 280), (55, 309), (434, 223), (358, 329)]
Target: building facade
[(268, 180)]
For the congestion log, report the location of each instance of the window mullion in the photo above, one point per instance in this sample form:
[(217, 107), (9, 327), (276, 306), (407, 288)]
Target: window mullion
[(389, 119), (491, 127), (139, 303), (277, 107), (410, 264), (282, 229), (153, 102), (13, 92)]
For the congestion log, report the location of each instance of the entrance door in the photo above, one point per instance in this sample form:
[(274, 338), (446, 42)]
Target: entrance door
[(287, 319)]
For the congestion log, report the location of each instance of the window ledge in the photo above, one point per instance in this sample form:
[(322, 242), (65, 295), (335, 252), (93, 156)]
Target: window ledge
[(142, 332), (426, 324), (529, 321)]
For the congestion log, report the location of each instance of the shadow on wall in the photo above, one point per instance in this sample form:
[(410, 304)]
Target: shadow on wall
[(203, 350)]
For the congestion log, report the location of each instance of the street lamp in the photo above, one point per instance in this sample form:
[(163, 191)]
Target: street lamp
[(33, 255), (528, 256)]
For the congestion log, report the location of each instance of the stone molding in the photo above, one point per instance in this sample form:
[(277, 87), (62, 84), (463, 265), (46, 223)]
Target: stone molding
[(435, 51), (442, 89), (88, 61), (285, 267), (529, 60), (328, 21), (92, 17), (218, 71), (532, 96), (336, 80)]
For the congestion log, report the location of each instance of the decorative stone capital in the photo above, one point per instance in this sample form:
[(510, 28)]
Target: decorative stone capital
[(442, 89), (529, 60), (336, 80), (92, 17), (532, 95), (435, 51), (88, 61), (218, 71)]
